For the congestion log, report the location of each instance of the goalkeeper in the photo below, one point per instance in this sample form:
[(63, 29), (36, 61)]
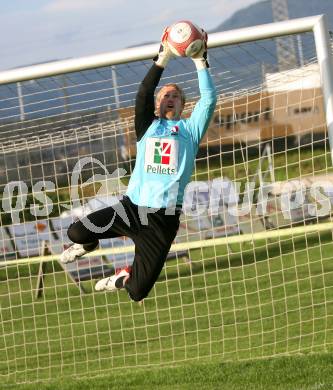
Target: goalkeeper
[(166, 149)]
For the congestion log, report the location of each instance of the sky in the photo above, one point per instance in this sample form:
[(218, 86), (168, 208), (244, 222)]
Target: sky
[(35, 31)]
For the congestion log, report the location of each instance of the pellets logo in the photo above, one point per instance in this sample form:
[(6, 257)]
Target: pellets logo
[(161, 156), (162, 153)]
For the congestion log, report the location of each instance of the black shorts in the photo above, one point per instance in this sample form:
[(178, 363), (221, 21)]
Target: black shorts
[(152, 231)]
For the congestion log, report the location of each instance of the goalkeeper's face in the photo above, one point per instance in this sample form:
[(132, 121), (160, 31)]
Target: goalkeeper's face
[(169, 102)]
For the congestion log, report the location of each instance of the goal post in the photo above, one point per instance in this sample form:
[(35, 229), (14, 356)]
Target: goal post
[(287, 232), (250, 273)]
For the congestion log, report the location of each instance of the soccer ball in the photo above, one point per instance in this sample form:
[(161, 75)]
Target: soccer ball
[(185, 39)]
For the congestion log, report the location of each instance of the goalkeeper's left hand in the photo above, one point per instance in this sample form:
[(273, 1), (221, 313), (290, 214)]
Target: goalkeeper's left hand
[(200, 59), (164, 53)]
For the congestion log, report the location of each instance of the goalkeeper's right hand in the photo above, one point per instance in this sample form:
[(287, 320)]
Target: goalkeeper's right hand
[(164, 53)]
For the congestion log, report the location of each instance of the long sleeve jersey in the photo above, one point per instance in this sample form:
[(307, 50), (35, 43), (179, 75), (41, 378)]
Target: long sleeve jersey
[(166, 149)]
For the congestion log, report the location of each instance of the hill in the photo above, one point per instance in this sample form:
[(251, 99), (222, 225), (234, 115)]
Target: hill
[(261, 13)]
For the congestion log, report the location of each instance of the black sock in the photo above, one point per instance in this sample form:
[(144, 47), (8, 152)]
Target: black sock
[(119, 283)]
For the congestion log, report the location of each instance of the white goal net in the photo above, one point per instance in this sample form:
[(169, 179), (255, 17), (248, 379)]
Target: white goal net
[(250, 273)]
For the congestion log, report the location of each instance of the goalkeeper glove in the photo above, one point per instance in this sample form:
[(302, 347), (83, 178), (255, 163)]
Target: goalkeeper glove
[(164, 53), (200, 59)]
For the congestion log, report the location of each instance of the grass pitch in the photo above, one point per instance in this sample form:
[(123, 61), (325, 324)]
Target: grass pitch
[(288, 373), (222, 310)]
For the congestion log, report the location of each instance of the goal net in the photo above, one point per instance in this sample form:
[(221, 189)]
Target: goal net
[(250, 272)]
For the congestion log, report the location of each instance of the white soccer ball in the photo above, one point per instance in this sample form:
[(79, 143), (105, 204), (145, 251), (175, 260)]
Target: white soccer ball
[(185, 39)]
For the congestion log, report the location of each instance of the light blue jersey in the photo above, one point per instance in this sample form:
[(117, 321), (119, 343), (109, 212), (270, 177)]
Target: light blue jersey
[(167, 151)]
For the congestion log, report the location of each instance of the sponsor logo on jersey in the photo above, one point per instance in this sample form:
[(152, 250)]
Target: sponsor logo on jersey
[(162, 152), (161, 156), (174, 130)]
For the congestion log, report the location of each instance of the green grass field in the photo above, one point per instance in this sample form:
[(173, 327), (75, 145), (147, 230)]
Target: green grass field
[(214, 318), (309, 372)]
